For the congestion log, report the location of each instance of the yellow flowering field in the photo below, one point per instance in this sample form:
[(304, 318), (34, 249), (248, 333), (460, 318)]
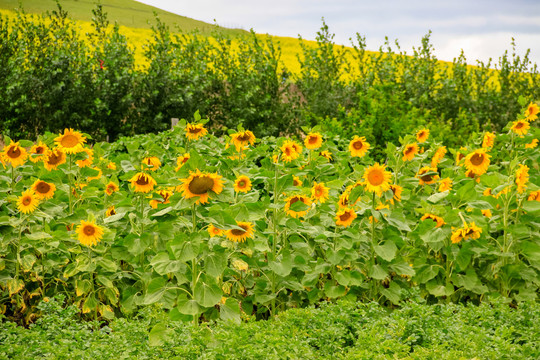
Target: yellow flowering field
[(237, 227)]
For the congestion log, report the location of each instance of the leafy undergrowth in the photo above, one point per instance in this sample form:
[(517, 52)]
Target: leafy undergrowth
[(341, 330)]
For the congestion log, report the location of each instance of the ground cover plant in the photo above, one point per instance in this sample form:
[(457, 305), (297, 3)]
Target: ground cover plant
[(223, 227)]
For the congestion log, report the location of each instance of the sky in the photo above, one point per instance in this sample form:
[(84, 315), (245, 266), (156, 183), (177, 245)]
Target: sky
[(482, 29)]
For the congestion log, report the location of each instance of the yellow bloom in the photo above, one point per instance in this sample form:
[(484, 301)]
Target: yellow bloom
[(111, 166), (199, 184), (319, 192), (358, 146), (296, 181), (520, 127), (532, 112), (38, 151), (111, 188), (27, 202), (445, 184), (152, 162), (165, 194), (457, 236), (242, 184), (242, 138), (471, 231), (487, 213), (289, 151), (14, 154), (425, 178), (54, 158), (293, 199), (71, 142), (534, 195), (237, 235), (326, 154), (214, 231), (439, 154), (377, 178), (489, 140), (422, 135), (43, 190), (88, 233), (345, 217), (439, 220), (142, 182), (98, 176), (313, 141), (477, 162), (522, 178), (89, 158), (460, 156), (396, 190), (532, 144), (110, 211), (409, 151), (181, 160), (195, 131)]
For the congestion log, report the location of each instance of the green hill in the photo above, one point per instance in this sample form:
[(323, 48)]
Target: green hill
[(126, 12)]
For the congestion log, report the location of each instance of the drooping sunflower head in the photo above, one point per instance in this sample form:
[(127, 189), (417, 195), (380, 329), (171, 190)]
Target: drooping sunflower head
[(242, 138), (396, 191), (422, 135), (534, 196), (477, 161), (522, 178), (152, 163), (89, 158), (142, 183), (88, 233), (319, 192), (313, 141), (97, 176), (471, 231), (181, 160), (111, 188), (520, 127), (489, 140), (457, 236), (242, 184), (54, 158), (377, 178), (43, 190), (70, 142), (195, 131), (14, 154), (532, 144), (532, 112), (111, 165), (358, 146), (427, 175), (437, 157), (27, 202), (437, 219), (110, 211), (345, 217), (326, 154), (290, 201), (200, 184), (445, 184), (240, 235), (487, 213), (37, 152), (409, 151), (214, 231)]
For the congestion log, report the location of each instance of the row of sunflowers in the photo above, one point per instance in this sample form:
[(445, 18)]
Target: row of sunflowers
[(237, 226)]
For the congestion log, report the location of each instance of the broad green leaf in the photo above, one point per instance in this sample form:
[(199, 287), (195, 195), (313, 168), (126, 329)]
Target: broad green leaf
[(159, 335), (378, 272), (155, 290), (207, 295), (437, 289), (333, 291), (214, 264), (38, 236), (82, 286), (283, 266), (435, 198), (392, 293), (531, 207), (387, 250), (426, 273), (230, 310)]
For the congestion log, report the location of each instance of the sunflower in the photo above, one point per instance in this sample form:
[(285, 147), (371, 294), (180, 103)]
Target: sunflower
[(237, 235), (111, 166), (242, 184), (409, 151), (532, 112), (439, 220), (460, 156), (152, 163), (37, 152), (110, 211), (288, 151), (445, 184), (199, 184), (326, 154), (111, 188), (319, 192), (487, 192), (43, 190), (425, 177), (296, 181), (54, 158), (532, 144), (165, 194), (377, 178), (489, 140), (293, 199), (195, 131), (487, 213), (358, 146), (242, 138), (422, 135), (214, 231), (88, 233), (142, 182), (89, 158), (71, 142), (343, 201), (471, 231), (181, 160), (27, 202), (522, 178), (437, 157), (396, 191), (97, 177), (520, 127), (313, 141), (457, 236), (345, 217), (534, 195), (14, 154), (477, 161)]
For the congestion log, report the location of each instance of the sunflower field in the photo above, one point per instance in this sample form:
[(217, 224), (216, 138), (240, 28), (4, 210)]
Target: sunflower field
[(238, 227)]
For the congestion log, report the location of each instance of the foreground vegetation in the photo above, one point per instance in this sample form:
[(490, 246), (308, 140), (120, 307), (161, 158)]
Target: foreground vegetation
[(339, 331)]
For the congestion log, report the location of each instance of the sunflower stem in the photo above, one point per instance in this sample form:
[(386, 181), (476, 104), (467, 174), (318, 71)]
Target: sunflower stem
[(12, 179), (274, 246), (373, 220), (70, 179), (194, 266)]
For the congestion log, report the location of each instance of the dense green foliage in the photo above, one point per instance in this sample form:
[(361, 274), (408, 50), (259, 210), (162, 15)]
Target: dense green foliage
[(50, 78), (338, 331)]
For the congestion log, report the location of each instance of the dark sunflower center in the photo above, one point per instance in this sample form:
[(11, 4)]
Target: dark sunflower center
[(409, 150), (200, 185), (14, 152), (345, 216), (294, 199), (288, 151), (89, 230), (520, 125), (357, 144), (142, 181), (112, 212), (375, 177), (184, 160), (318, 192), (195, 130), (426, 178), (69, 141), (241, 183), (53, 159), (296, 182), (42, 187), (312, 140), (27, 200), (477, 159), (244, 137), (39, 150), (238, 232)]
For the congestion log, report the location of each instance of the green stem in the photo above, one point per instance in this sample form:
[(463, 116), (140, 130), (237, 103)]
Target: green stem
[(274, 242), (373, 221), (12, 179), (70, 179), (194, 266)]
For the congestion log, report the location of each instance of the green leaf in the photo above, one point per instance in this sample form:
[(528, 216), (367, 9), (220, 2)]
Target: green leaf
[(333, 291), (155, 290), (38, 236), (159, 335), (207, 295), (531, 207), (283, 266), (107, 265), (162, 264), (378, 272), (230, 311), (188, 307), (387, 251), (82, 287), (392, 293), (397, 219), (215, 264), (437, 289), (426, 273), (435, 198)]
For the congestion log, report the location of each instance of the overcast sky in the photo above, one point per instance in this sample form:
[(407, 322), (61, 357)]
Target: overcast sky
[(482, 28)]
